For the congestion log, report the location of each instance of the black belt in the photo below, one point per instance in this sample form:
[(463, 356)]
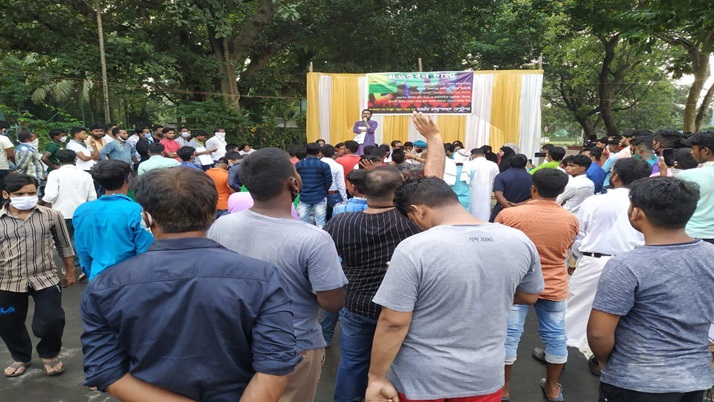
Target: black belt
[(597, 255)]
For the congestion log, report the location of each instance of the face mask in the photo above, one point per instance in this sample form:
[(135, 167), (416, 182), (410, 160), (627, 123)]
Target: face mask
[(34, 144), (147, 136), (220, 135), (24, 203), (63, 139), (186, 135)]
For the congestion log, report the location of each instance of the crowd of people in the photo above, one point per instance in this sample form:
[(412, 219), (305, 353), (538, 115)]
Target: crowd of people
[(220, 273)]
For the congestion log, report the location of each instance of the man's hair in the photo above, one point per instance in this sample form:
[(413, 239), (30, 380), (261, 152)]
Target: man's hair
[(232, 147), (566, 160), (613, 142), (368, 149), (448, 147), (301, 153), (265, 171), (356, 177), (547, 147), (367, 110), (428, 191), (408, 144), (643, 133), (339, 145), (518, 161), (378, 152), (56, 132), (157, 127), (353, 146), (109, 126), (398, 156), (111, 174), (66, 156), (185, 153), (703, 139), (645, 142), (603, 140), (201, 133), (581, 160), (96, 126), (549, 183), (156, 149), (382, 181), (76, 130), (234, 156), (4, 125), (24, 136), (684, 159), (311, 148), (178, 199), (631, 169), (218, 129), (328, 151), (320, 139), (667, 138), (595, 152), (16, 181), (393, 143), (183, 128), (116, 130), (488, 149), (667, 202), (478, 151), (557, 153)]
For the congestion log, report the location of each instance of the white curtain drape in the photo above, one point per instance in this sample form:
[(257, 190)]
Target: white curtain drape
[(478, 124), (531, 88), (324, 103)]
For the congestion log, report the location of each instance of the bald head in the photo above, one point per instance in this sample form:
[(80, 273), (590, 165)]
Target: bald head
[(382, 182)]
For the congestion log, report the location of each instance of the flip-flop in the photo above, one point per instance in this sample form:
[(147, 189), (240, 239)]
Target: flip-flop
[(545, 395), (52, 364), (19, 369)]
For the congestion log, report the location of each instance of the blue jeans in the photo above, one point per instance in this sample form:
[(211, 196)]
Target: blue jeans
[(319, 209), (551, 321), (356, 336), (328, 323)]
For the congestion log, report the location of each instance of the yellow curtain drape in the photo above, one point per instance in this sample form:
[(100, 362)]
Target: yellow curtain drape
[(505, 109), (396, 128), (452, 128), (345, 108), (313, 108)]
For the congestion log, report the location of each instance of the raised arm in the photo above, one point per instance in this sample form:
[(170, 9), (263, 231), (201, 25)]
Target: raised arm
[(436, 156)]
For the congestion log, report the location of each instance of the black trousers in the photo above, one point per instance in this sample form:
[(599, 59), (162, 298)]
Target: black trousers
[(47, 323), (611, 393)]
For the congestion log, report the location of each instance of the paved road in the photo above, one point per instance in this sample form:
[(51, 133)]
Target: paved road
[(34, 386)]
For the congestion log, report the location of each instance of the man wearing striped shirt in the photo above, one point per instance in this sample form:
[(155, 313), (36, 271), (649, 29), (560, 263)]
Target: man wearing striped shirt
[(365, 242), (27, 269), (316, 181)]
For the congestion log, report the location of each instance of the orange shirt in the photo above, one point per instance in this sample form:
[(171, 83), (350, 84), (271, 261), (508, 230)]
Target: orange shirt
[(220, 178), (348, 162), (552, 229)]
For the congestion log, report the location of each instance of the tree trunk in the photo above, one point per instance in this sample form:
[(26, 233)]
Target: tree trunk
[(692, 119), (605, 88), (704, 107), (587, 125)]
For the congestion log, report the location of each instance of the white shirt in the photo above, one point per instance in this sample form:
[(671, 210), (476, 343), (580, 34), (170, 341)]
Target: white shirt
[(107, 139), (219, 144), (483, 173), (83, 149), (576, 191), (338, 177), (5, 143), (133, 139), (67, 188), (604, 225)]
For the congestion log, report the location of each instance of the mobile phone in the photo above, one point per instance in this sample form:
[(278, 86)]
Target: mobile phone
[(530, 161), (540, 154), (668, 155)]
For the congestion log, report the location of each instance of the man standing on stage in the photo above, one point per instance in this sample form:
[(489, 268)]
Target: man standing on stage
[(364, 131)]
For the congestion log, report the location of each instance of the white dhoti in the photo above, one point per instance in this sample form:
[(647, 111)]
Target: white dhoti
[(582, 289)]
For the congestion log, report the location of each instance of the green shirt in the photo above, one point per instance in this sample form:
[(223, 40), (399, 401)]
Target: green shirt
[(701, 225), (52, 149), (547, 165), (156, 162)]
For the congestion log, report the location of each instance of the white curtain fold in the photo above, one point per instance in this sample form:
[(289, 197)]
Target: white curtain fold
[(530, 129), (325, 91), (478, 124)]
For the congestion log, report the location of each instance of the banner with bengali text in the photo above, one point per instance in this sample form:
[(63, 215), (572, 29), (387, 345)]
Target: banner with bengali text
[(446, 92)]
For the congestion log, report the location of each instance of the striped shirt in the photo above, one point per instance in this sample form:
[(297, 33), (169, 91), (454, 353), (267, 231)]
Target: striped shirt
[(26, 252), (316, 179), (365, 243), (28, 161)]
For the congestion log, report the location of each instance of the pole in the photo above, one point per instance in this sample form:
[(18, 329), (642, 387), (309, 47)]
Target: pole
[(310, 69), (420, 69), (540, 62), (103, 60)]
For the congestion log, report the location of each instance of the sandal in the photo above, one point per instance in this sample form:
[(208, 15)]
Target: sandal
[(53, 367), (545, 395), (18, 369)]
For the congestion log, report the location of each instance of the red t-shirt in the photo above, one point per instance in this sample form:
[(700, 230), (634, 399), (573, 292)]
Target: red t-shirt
[(171, 146), (348, 162)]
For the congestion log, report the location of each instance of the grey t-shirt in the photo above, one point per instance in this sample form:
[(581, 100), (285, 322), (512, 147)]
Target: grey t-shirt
[(305, 255), (459, 282), (665, 295)]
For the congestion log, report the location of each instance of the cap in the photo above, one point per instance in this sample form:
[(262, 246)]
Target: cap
[(419, 144)]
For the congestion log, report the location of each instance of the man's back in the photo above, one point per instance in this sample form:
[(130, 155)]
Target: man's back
[(579, 188), (667, 304), (304, 254), (157, 162), (316, 179), (365, 243), (483, 174), (515, 184), (67, 188), (348, 162), (460, 306), (230, 310), (701, 226), (604, 225), (109, 231)]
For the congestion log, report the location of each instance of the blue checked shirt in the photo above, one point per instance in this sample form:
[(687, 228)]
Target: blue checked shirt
[(316, 179)]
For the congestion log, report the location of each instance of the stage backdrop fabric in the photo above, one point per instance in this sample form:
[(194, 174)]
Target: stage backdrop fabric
[(505, 108)]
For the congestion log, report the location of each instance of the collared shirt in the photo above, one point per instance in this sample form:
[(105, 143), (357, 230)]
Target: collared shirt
[(365, 244), (604, 225), (150, 316), (133, 140), (233, 177), (67, 188), (338, 177), (157, 162), (108, 231), (701, 224), (119, 150), (84, 149), (515, 183), (190, 165), (28, 161), (220, 146), (576, 191), (26, 252), (546, 165), (354, 204), (552, 229), (171, 146), (597, 175), (316, 179)]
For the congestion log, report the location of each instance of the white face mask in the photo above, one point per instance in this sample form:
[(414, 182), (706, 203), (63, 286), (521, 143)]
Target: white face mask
[(34, 144), (24, 203), (220, 135), (63, 139), (186, 134)]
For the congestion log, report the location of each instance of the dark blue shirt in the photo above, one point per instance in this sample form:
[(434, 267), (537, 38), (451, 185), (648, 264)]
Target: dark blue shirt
[(597, 175), (316, 179), (515, 183), (188, 316), (233, 178)]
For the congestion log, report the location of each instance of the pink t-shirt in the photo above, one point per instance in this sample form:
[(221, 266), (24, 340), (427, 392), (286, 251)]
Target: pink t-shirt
[(241, 201), (171, 146)]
